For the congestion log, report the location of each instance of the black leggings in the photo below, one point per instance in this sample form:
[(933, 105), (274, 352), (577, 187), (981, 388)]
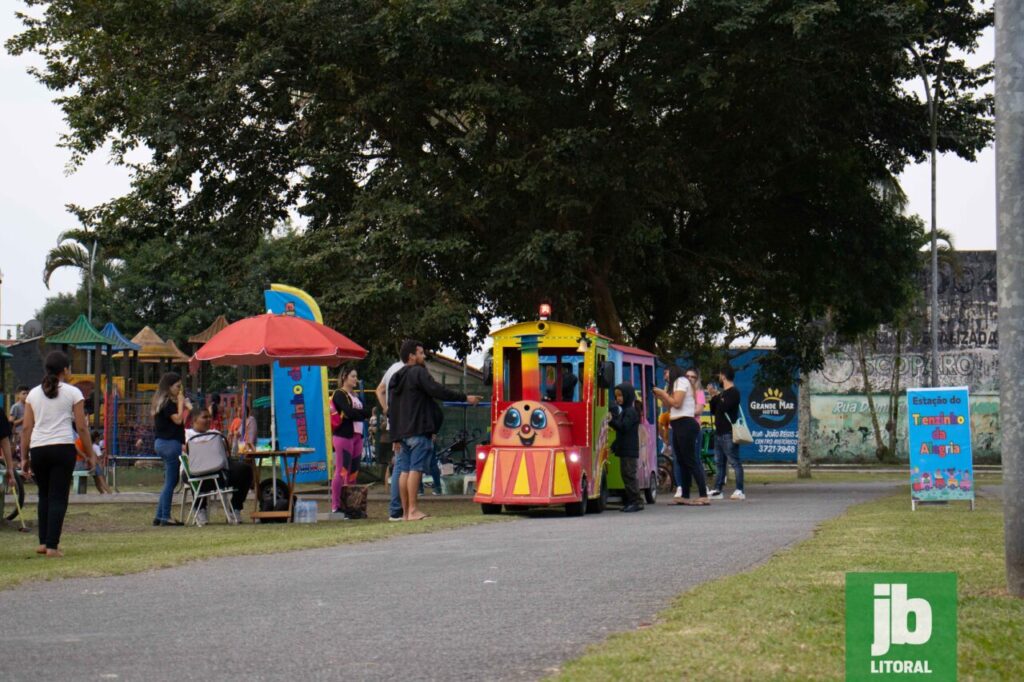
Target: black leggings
[(238, 476), (53, 466), (684, 444)]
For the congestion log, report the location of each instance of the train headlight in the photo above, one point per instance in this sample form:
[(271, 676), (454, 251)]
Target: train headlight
[(574, 457)]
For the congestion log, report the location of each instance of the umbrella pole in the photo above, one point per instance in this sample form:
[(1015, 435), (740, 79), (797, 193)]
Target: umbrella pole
[(273, 432)]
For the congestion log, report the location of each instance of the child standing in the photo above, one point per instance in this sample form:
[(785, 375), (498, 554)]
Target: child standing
[(626, 421), (99, 474)]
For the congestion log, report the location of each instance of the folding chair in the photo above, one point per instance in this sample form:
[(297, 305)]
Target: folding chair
[(206, 460)]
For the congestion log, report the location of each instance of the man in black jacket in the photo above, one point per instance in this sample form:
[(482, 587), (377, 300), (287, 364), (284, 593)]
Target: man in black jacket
[(725, 407), (415, 419)]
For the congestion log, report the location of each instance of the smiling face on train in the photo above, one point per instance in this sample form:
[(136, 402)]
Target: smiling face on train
[(526, 424)]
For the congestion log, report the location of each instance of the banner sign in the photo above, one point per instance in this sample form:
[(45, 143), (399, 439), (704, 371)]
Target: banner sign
[(300, 394), (770, 412), (939, 435)]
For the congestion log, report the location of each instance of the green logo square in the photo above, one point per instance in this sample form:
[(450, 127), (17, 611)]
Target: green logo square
[(901, 626)]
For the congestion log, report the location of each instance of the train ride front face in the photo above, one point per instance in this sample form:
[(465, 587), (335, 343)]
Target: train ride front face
[(543, 416)]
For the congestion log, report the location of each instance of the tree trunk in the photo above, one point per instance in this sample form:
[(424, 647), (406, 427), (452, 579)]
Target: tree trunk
[(605, 313), (1010, 247), (894, 395), (803, 456), (868, 391)]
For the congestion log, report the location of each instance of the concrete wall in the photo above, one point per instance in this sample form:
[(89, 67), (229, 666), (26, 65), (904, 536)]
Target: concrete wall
[(968, 356), (842, 431)]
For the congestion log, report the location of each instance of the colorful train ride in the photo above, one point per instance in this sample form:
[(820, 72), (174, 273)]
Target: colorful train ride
[(550, 443)]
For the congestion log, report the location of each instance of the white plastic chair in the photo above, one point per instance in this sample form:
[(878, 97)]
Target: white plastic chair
[(206, 460)]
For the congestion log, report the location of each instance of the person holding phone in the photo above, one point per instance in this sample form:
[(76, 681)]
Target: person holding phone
[(168, 409), (680, 397)]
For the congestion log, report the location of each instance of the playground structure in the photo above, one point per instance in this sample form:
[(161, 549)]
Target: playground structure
[(118, 376)]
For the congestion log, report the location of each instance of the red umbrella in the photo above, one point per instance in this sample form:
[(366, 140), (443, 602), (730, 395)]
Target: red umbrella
[(291, 341)]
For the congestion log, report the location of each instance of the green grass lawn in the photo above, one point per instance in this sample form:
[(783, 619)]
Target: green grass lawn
[(785, 619), (114, 539)]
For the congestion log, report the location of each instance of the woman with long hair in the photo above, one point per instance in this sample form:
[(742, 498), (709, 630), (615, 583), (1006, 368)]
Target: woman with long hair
[(680, 397), (168, 410), (348, 435), (54, 410)]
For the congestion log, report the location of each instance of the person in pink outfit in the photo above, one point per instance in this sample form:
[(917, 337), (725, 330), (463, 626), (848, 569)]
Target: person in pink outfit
[(347, 435)]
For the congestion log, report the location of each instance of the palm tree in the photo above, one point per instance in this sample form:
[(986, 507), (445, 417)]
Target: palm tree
[(79, 249)]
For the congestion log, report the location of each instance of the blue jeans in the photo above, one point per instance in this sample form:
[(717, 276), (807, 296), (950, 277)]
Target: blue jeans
[(434, 469), (399, 466), (726, 450), (169, 451)]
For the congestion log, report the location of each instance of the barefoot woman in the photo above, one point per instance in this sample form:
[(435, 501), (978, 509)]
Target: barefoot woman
[(53, 412)]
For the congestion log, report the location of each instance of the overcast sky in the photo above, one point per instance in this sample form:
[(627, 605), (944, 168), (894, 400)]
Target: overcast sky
[(34, 187)]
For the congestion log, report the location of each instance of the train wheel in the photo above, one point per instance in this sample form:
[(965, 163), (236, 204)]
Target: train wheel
[(597, 506), (579, 508), (651, 493), (490, 508)]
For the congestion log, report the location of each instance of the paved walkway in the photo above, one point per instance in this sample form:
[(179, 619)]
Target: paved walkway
[(506, 601)]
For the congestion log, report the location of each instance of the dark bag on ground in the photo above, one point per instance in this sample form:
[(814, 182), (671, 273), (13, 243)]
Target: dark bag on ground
[(353, 501)]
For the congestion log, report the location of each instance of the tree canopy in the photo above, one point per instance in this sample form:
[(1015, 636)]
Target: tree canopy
[(671, 170)]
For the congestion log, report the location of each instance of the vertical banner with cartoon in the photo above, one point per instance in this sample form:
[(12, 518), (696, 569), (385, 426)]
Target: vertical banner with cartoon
[(300, 393), (939, 436)]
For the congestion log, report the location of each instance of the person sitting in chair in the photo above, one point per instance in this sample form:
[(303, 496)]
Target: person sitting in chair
[(237, 474)]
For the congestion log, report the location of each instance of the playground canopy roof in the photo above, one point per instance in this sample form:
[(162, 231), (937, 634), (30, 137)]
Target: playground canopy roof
[(117, 340), (155, 349), (175, 354), (80, 334), (202, 337)]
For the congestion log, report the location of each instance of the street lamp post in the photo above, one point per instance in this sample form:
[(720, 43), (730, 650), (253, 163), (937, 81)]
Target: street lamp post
[(934, 138), (1010, 250)]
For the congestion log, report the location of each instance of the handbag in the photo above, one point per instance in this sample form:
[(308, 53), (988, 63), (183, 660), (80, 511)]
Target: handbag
[(335, 418), (353, 501), (740, 432)]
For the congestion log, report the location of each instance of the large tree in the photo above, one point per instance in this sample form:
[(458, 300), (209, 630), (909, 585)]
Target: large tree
[(663, 168)]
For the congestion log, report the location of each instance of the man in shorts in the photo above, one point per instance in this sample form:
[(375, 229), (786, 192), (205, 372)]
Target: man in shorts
[(415, 418)]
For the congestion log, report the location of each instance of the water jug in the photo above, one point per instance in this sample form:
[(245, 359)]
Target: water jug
[(305, 511)]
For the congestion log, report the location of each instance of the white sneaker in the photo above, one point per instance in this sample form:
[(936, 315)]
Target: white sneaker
[(238, 515), (679, 492), (201, 517), (715, 495), (738, 495)]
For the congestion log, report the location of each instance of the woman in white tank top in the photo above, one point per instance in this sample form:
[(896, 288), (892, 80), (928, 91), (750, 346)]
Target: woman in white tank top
[(680, 397)]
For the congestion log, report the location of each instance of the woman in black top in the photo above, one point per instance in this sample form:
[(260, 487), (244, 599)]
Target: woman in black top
[(725, 406), (168, 410), (348, 435)]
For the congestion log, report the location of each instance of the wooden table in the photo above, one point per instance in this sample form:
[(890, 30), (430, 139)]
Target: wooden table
[(255, 458)]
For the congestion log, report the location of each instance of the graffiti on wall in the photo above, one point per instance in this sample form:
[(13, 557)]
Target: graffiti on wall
[(968, 356), (841, 427)]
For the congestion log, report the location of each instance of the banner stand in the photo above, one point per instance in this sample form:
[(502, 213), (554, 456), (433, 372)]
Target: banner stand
[(939, 437)]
